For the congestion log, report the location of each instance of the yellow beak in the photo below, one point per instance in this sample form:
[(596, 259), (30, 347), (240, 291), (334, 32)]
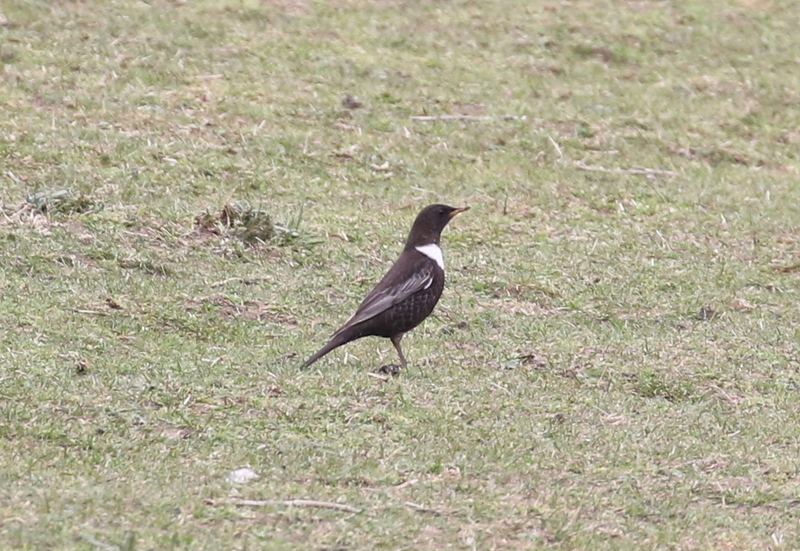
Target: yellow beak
[(459, 211)]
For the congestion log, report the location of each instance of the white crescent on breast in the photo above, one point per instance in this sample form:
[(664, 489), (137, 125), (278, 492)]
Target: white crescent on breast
[(433, 252)]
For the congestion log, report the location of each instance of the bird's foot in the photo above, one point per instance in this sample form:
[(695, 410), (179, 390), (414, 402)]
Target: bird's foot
[(390, 369)]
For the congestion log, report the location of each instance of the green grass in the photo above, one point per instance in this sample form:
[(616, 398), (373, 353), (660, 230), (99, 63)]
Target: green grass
[(614, 364)]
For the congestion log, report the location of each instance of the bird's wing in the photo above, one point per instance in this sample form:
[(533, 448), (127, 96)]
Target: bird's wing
[(384, 297)]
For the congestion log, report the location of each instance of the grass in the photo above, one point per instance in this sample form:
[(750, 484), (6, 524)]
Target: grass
[(188, 211)]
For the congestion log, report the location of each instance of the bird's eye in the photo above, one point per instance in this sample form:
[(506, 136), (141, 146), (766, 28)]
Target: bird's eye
[(441, 211)]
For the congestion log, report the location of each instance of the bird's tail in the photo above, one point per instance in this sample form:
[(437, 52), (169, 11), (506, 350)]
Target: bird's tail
[(339, 338)]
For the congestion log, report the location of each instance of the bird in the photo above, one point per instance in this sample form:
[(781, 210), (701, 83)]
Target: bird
[(407, 293)]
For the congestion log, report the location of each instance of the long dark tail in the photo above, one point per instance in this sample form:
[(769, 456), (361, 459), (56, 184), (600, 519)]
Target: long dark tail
[(343, 336)]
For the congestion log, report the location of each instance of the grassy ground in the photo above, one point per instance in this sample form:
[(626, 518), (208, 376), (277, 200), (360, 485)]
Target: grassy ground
[(614, 364)]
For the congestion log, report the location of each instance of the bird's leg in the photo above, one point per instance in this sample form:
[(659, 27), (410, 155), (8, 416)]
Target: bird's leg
[(394, 369), (396, 342)]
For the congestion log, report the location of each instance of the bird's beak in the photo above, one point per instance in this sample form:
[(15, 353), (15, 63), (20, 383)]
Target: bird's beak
[(458, 211)]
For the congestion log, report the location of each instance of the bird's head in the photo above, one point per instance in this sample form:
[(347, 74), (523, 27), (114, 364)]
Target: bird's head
[(429, 224)]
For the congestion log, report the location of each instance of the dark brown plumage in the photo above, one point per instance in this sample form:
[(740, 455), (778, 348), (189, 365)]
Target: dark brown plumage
[(407, 293)]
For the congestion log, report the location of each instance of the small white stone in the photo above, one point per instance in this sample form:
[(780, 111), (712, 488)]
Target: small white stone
[(242, 476)]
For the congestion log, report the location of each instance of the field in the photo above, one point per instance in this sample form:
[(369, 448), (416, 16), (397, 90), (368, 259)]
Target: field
[(190, 204)]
